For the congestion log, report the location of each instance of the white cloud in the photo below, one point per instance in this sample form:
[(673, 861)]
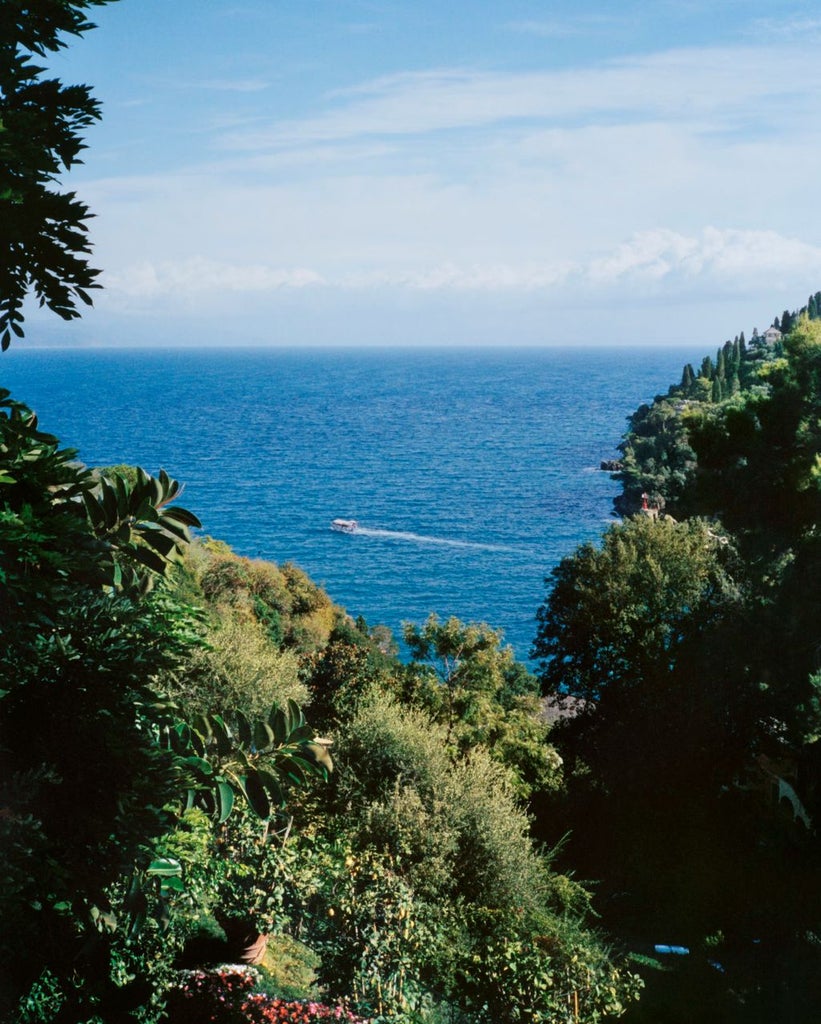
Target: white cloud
[(739, 257), (200, 277), (676, 175), (648, 259)]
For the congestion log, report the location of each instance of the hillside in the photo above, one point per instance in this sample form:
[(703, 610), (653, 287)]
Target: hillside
[(690, 639)]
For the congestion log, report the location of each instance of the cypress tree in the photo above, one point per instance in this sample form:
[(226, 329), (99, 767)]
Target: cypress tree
[(687, 378), (706, 370), (721, 365), (812, 308), (717, 393), (786, 322)]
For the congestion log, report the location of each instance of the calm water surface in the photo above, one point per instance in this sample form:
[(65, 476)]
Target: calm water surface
[(471, 473)]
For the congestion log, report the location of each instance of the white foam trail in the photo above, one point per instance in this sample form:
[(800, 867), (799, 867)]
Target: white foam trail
[(419, 538)]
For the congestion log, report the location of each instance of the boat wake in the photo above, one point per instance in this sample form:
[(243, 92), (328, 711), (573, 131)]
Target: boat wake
[(418, 538)]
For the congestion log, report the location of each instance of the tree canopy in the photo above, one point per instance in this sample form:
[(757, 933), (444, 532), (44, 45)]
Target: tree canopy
[(43, 231), (685, 652)]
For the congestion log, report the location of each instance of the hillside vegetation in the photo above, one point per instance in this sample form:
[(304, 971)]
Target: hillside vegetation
[(689, 642), (204, 760), (164, 797)]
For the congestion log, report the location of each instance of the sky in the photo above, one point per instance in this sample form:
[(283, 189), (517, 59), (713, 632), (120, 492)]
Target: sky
[(409, 172)]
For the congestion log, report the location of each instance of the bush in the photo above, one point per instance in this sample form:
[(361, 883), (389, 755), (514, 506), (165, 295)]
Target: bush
[(240, 668), (225, 996)]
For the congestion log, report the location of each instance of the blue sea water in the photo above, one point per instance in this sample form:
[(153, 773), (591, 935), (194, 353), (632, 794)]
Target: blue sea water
[(471, 473)]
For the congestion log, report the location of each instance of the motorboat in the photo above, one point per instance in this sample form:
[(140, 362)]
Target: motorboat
[(344, 525)]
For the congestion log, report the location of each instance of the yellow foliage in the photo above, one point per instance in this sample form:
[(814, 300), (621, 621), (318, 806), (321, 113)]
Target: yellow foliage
[(241, 668)]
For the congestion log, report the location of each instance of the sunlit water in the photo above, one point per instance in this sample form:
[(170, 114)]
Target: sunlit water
[(471, 474)]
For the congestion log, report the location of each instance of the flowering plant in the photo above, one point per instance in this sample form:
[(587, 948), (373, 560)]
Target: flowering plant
[(224, 996), (262, 1009)]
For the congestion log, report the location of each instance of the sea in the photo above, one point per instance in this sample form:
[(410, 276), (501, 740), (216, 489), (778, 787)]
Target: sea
[(471, 473)]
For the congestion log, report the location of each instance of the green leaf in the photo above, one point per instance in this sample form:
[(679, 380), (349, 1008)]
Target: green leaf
[(222, 736), (263, 735), (171, 885), (273, 787), (225, 801), (257, 797), (244, 733), (137, 920), (277, 721), (199, 765), (165, 867)]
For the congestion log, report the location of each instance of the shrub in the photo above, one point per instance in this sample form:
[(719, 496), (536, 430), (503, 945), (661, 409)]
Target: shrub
[(225, 996)]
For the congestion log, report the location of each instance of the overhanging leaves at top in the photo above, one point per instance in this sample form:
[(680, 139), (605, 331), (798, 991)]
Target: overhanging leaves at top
[(43, 232)]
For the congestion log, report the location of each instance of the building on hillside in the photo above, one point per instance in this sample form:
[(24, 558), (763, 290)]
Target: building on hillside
[(771, 336)]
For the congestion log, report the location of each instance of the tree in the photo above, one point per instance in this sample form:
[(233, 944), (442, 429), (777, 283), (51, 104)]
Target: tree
[(479, 898), (617, 613), (657, 457), (82, 635), (692, 668), (466, 680), (43, 232)]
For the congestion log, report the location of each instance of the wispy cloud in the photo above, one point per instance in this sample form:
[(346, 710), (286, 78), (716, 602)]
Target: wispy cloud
[(787, 28), (726, 85), (243, 85), (609, 184), (565, 28), (200, 277)]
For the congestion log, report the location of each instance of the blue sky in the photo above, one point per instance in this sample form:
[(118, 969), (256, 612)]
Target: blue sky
[(301, 172)]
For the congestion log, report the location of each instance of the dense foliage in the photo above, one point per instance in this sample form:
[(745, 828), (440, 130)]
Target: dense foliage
[(43, 231), (685, 652), (159, 806), (165, 806)]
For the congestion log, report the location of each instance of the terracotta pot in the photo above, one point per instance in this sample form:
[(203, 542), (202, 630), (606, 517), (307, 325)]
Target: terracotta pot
[(254, 951), (246, 944)]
